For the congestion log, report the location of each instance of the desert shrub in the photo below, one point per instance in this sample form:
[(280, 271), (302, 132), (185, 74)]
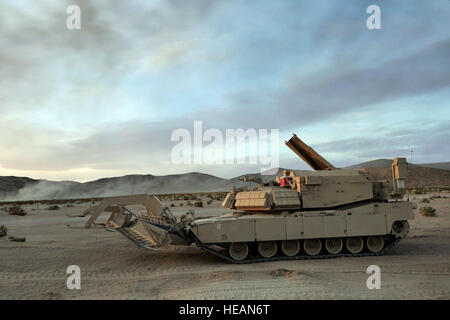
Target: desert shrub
[(185, 198), (428, 211), (425, 200), (172, 205), (69, 205), (3, 231), (17, 211), (189, 203), (53, 207), (181, 204), (418, 191), (209, 202), (198, 204)]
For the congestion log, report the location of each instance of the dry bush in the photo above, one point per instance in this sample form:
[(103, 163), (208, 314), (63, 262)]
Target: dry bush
[(198, 204), (428, 211), (53, 207), (425, 200), (3, 231), (282, 273), (17, 211)]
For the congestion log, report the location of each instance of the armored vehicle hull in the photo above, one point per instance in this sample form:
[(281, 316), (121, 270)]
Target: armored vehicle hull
[(365, 229)]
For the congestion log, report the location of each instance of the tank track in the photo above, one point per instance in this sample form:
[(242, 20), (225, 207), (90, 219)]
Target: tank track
[(389, 242)]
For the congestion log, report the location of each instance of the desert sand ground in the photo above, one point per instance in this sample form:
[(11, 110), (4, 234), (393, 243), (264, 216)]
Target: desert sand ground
[(112, 267)]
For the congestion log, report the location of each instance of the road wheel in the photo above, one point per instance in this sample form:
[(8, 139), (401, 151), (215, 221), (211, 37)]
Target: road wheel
[(312, 246), (400, 228), (290, 247), (267, 249), (334, 245), (375, 243), (355, 244), (238, 250)]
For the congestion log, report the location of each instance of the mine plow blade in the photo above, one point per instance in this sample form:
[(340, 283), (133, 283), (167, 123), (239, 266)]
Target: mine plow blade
[(113, 204), (156, 228)]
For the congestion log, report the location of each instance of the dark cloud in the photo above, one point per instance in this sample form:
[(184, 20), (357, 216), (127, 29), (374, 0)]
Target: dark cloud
[(305, 101), (427, 142), (40, 55)]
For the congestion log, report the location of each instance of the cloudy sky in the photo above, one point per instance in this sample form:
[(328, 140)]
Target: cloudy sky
[(104, 100)]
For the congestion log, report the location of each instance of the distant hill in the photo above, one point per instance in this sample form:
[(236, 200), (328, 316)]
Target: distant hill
[(386, 163), (12, 184), (379, 163), (437, 165), (16, 188), (23, 188), (417, 176)]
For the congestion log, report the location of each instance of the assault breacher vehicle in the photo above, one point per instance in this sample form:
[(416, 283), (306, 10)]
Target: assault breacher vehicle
[(326, 213)]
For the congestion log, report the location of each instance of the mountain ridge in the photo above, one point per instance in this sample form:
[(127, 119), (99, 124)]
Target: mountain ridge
[(386, 163)]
